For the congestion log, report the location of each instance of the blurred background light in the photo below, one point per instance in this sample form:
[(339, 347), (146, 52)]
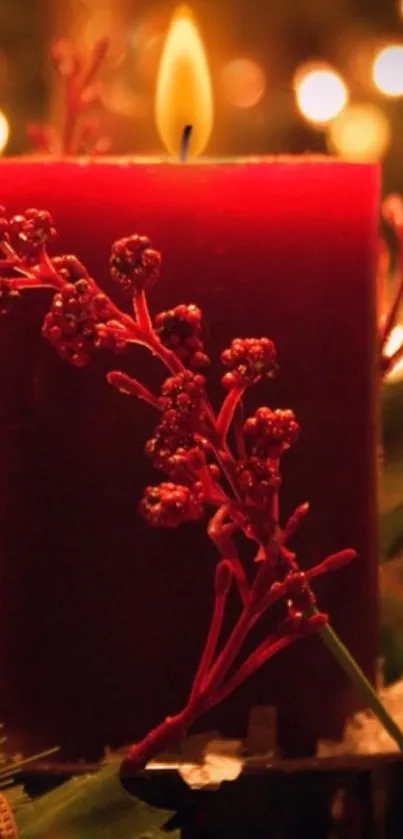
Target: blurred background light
[(393, 345), (392, 209), (360, 133), (321, 93), (4, 131), (119, 98), (387, 71), (243, 82), (104, 21), (145, 38)]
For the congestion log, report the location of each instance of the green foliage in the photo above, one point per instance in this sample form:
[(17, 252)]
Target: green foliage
[(92, 807)]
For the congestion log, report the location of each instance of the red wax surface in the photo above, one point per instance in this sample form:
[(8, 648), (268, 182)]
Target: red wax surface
[(103, 619)]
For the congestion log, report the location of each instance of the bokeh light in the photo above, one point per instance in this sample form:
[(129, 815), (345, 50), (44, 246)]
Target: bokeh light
[(4, 131), (387, 71), (392, 209), (146, 39), (360, 133), (119, 98), (243, 82), (395, 342), (321, 93)]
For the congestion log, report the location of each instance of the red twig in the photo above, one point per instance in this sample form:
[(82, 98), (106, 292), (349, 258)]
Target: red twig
[(227, 412), (267, 650), (259, 657), (131, 387), (294, 522), (169, 731), (223, 578), (220, 533), (332, 563), (238, 431), (79, 95), (142, 313)]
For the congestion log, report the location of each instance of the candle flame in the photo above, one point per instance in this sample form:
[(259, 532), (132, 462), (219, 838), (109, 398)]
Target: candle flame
[(184, 93)]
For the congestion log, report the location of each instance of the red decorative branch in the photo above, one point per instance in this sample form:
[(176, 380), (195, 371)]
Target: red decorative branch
[(190, 444), (79, 133)]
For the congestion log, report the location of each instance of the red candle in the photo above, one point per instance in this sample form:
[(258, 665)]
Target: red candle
[(103, 619)]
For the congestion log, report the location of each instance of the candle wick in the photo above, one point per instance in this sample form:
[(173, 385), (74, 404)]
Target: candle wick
[(185, 143)]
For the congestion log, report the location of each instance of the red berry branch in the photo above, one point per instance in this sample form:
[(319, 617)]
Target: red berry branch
[(80, 132), (237, 486)]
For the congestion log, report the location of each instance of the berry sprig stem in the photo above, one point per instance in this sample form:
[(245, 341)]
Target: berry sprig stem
[(210, 686), (192, 445), (79, 133)]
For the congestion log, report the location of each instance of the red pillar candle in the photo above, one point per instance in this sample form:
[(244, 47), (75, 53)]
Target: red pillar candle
[(103, 619)]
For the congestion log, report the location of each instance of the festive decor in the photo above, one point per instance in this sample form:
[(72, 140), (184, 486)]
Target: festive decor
[(223, 462), (276, 282), (283, 279)]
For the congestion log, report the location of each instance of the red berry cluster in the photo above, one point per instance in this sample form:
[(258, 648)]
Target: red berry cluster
[(181, 403), (32, 230), (169, 505), (271, 432), (69, 268), (257, 482), (134, 264), (9, 296), (248, 359), (179, 456), (77, 313), (180, 329)]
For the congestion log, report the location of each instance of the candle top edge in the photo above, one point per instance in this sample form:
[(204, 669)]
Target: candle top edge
[(147, 160)]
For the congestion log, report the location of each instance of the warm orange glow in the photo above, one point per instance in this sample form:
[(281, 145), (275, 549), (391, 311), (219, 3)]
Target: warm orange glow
[(184, 93), (4, 131), (361, 133), (392, 210), (394, 344), (243, 82), (321, 93)]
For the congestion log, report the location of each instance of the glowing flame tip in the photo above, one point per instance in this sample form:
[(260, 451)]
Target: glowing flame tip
[(184, 94)]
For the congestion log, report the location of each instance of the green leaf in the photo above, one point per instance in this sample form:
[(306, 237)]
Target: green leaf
[(92, 807)]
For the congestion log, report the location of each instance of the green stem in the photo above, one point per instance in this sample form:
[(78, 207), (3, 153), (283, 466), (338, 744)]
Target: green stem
[(333, 643)]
